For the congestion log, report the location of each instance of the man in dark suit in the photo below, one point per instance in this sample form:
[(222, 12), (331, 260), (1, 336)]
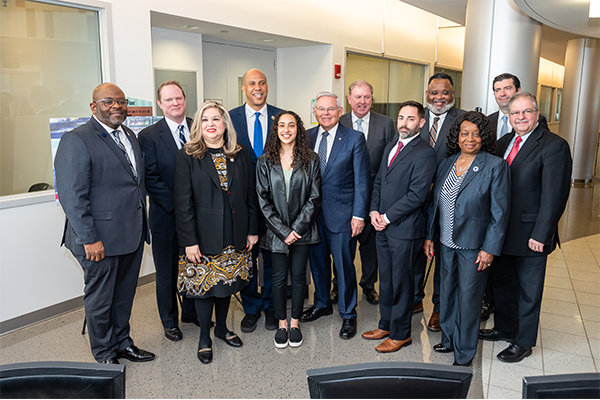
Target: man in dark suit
[(160, 143), (399, 192), (252, 123), (439, 116), (345, 189), (100, 183), (379, 131), (504, 86), (540, 165)]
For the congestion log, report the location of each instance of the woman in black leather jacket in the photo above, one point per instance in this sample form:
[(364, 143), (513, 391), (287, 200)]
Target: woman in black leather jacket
[(289, 195)]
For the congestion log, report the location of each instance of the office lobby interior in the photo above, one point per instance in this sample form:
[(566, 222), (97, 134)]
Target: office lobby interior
[(303, 46)]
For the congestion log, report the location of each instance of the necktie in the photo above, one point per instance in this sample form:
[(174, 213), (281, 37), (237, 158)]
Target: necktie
[(400, 146), (181, 136), (323, 151), (514, 150), (258, 136), (115, 135), (359, 126), (433, 132), (504, 129)]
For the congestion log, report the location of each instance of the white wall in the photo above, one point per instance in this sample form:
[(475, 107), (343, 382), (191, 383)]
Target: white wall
[(34, 271)]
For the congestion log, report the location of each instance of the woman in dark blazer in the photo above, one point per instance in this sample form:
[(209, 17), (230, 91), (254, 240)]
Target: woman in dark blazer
[(289, 195), (468, 214), (216, 213)]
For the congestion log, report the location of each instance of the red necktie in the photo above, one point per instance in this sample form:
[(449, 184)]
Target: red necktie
[(514, 150), (400, 146)]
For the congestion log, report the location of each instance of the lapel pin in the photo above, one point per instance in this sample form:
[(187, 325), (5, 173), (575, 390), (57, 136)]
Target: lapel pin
[(475, 169)]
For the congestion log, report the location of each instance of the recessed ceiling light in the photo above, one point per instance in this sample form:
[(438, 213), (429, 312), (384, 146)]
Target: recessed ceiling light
[(594, 8), (192, 27), (267, 40), (224, 31)]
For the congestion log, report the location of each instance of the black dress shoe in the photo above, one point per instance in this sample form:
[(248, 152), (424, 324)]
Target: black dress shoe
[(230, 338), (514, 353), (348, 329), (314, 313), (173, 334), (461, 364), (205, 355), (494, 335), (249, 322), (440, 348), (191, 320), (271, 323), (371, 295), (486, 310), (112, 360), (333, 295), (135, 354)]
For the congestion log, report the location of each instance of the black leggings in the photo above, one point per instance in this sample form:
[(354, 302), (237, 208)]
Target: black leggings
[(204, 308), (295, 263)]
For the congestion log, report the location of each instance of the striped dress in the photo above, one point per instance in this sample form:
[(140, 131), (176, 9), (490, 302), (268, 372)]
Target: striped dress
[(446, 204)]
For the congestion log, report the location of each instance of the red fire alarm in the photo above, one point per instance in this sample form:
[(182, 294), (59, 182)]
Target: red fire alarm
[(337, 71)]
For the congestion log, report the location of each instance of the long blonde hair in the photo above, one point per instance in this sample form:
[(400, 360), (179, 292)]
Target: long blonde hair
[(196, 147)]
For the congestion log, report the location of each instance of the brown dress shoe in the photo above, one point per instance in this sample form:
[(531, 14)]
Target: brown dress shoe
[(389, 345), (375, 334), (434, 322), (417, 308)]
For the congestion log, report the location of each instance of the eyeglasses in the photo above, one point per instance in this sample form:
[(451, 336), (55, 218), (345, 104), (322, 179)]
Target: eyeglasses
[(527, 112), (330, 110), (109, 102)]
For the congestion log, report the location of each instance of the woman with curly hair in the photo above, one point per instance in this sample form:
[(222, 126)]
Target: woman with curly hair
[(468, 214), (289, 195), (216, 214)]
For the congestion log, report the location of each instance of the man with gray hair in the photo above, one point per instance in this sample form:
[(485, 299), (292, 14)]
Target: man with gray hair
[(379, 131), (345, 189)]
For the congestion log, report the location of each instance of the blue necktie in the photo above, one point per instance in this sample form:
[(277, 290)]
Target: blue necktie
[(323, 151), (504, 129), (258, 136), (181, 136), (359, 126)]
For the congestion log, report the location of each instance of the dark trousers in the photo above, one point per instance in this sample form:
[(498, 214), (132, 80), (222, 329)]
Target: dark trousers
[(252, 300), (204, 310), (518, 288), (396, 284), (165, 251), (420, 269), (109, 290), (293, 263), (461, 292), (340, 246), (368, 257)]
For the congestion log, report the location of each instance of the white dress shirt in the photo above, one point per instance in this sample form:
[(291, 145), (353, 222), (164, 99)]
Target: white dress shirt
[(124, 139), (332, 132), (440, 121), (365, 123), (250, 120), (174, 127), (512, 142), (501, 123)]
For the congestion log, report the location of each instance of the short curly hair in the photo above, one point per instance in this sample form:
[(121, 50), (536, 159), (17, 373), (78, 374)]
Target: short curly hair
[(486, 130)]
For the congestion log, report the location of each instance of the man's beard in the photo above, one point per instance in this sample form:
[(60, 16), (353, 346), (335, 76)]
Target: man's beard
[(409, 134), (444, 110)]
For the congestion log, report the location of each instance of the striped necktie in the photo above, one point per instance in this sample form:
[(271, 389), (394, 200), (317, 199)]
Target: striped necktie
[(433, 132), (115, 135), (182, 140)]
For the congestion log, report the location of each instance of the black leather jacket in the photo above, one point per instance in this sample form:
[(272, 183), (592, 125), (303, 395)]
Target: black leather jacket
[(299, 213)]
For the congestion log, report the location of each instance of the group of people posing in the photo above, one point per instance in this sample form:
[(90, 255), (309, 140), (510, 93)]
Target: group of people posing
[(479, 193)]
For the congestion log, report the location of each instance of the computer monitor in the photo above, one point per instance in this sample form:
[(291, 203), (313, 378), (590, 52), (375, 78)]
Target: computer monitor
[(390, 380), (565, 386), (62, 380)]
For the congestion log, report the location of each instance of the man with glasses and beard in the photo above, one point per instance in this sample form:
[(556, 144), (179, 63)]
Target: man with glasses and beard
[(439, 116), (399, 192), (100, 182)]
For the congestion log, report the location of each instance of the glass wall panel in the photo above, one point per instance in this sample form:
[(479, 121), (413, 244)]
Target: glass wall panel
[(50, 64), (557, 105), (393, 81), (545, 102)]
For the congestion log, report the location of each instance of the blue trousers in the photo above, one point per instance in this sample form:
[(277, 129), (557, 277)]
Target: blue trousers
[(340, 246)]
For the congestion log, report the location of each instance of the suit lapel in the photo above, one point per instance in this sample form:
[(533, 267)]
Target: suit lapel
[(208, 164), (167, 137), (403, 154), (372, 130), (445, 128), (338, 142), (528, 147), (476, 167), (110, 142), (244, 126)]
